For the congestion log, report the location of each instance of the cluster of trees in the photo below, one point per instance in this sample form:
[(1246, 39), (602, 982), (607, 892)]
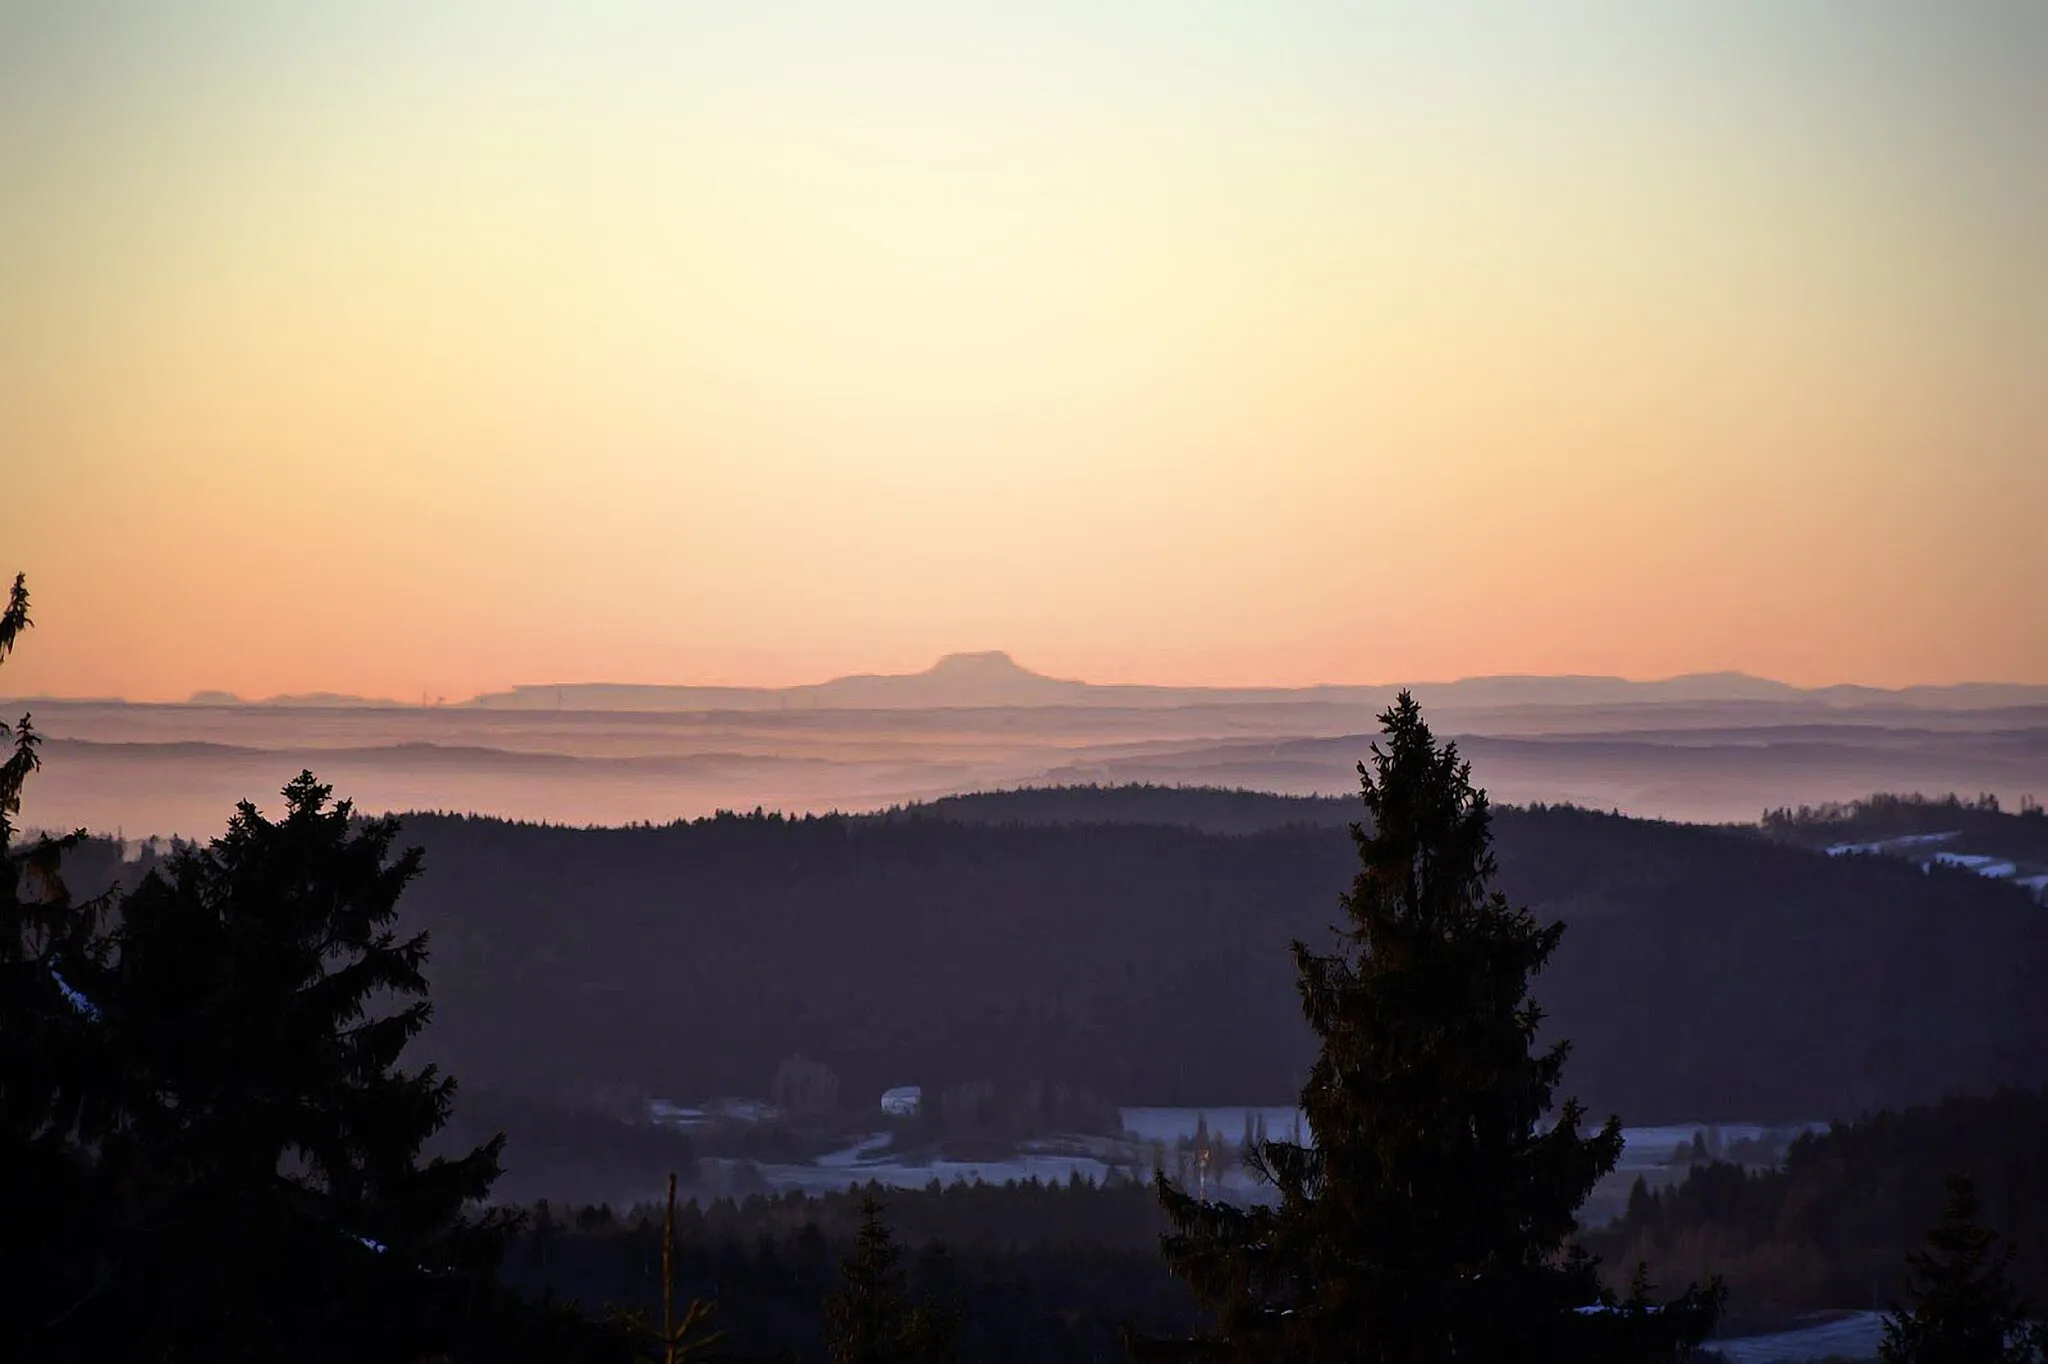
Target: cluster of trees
[(1830, 1228), (1706, 1147), (1903, 809), (1831, 1225), (804, 1086), (1117, 1213), (1031, 1272), (208, 1147), (1980, 821), (983, 1119), (1061, 1271)]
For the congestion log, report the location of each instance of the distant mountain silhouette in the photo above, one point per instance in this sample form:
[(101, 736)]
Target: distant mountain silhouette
[(312, 700), (994, 679), (970, 679), (978, 679)]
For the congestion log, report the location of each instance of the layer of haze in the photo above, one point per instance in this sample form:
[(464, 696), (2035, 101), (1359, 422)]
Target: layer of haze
[(424, 349)]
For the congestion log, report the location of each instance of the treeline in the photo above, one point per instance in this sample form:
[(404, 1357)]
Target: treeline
[(1108, 938), (1038, 1271), (1210, 809), (1978, 822), (1831, 1227), (1707, 973), (1116, 1213)]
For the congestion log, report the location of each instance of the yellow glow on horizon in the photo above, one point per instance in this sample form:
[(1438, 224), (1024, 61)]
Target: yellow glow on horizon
[(394, 351)]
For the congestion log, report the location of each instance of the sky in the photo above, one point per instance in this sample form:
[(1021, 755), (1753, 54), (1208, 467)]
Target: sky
[(421, 350)]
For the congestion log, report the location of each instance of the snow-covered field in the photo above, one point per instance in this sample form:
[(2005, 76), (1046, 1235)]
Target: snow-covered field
[(872, 1159), (1853, 1335), (1644, 1148), (1902, 844), (1921, 850), (869, 1164)]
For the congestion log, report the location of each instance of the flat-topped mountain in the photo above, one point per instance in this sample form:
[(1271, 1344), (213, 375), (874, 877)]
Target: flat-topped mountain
[(991, 678)]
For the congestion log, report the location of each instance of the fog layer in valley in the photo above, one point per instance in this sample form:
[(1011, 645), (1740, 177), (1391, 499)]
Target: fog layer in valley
[(1712, 748)]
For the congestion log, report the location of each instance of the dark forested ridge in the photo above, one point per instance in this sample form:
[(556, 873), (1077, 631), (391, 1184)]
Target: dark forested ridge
[(1213, 810), (1708, 972)]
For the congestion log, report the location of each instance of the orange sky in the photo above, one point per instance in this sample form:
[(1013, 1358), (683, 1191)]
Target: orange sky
[(412, 350)]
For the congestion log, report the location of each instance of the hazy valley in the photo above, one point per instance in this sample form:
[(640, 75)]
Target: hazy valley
[(1705, 749)]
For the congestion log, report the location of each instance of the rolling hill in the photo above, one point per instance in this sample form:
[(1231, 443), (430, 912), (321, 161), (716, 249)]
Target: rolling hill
[(1110, 940)]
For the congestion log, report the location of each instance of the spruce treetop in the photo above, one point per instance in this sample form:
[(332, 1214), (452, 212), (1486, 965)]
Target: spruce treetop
[(1961, 1304), (871, 1319), (1430, 1213)]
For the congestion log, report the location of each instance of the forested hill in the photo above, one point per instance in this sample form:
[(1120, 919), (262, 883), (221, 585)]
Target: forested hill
[(1707, 973), (1952, 824), (1114, 940), (1211, 809)]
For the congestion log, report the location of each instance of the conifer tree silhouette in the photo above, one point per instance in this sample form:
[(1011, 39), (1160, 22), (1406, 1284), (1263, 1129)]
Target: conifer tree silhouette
[(1961, 1306), (870, 1318), (1429, 1214), (260, 998), (52, 1059)]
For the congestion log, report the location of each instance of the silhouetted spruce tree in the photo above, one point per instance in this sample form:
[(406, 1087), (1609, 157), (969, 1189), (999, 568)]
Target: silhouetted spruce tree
[(870, 1318), (207, 1151), (1961, 1305), (1430, 1216), (266, 1151), (52, 1061)]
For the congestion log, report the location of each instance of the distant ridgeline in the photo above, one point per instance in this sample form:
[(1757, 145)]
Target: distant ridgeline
[(1131, 941), (993, 679)]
